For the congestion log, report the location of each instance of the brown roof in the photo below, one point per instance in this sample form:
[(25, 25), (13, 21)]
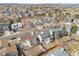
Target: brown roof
[(9, 49), (3, 43), (12, 48), (34, 51)]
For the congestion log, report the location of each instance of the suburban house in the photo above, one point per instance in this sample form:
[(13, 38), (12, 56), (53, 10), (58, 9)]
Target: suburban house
[(16, 26), (44, 36), (3, 29), (8, 48), (28, 41), (49, 34), (56, 32)]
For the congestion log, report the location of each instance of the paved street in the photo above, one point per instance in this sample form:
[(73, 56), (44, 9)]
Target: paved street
[(14, 35)]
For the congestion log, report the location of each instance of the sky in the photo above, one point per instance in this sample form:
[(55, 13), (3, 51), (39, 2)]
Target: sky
[(39, 1)]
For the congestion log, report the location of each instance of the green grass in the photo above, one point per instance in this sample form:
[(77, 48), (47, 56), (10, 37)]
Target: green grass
[(77, 16), (74, 48)]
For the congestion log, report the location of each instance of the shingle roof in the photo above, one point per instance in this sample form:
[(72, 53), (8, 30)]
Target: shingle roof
[(2, 25), (44, 33)]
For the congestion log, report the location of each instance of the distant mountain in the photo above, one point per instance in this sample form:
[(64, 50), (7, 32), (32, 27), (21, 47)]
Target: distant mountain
[(43, 4), (7, 4)]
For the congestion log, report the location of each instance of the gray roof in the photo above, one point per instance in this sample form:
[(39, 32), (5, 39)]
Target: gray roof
[(44, 33), (2, 25), (59, 52), (55, 28)]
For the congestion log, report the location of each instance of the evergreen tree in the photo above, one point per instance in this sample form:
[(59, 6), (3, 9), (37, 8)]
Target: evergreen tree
[(74, 28)]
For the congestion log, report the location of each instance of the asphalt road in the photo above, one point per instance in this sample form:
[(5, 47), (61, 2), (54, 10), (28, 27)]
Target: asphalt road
[(14, 35)]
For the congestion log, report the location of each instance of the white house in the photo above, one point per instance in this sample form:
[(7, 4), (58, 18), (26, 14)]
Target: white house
[(44, 36), (16, 25), (26, 44)]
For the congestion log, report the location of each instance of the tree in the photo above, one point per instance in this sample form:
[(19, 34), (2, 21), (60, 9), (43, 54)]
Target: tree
[(72, 20), (64, 30), (18, 20), (64, 27), (74, 28), (10, 23)]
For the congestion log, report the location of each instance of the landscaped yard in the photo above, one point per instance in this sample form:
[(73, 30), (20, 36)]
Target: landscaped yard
[(72, 47)]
